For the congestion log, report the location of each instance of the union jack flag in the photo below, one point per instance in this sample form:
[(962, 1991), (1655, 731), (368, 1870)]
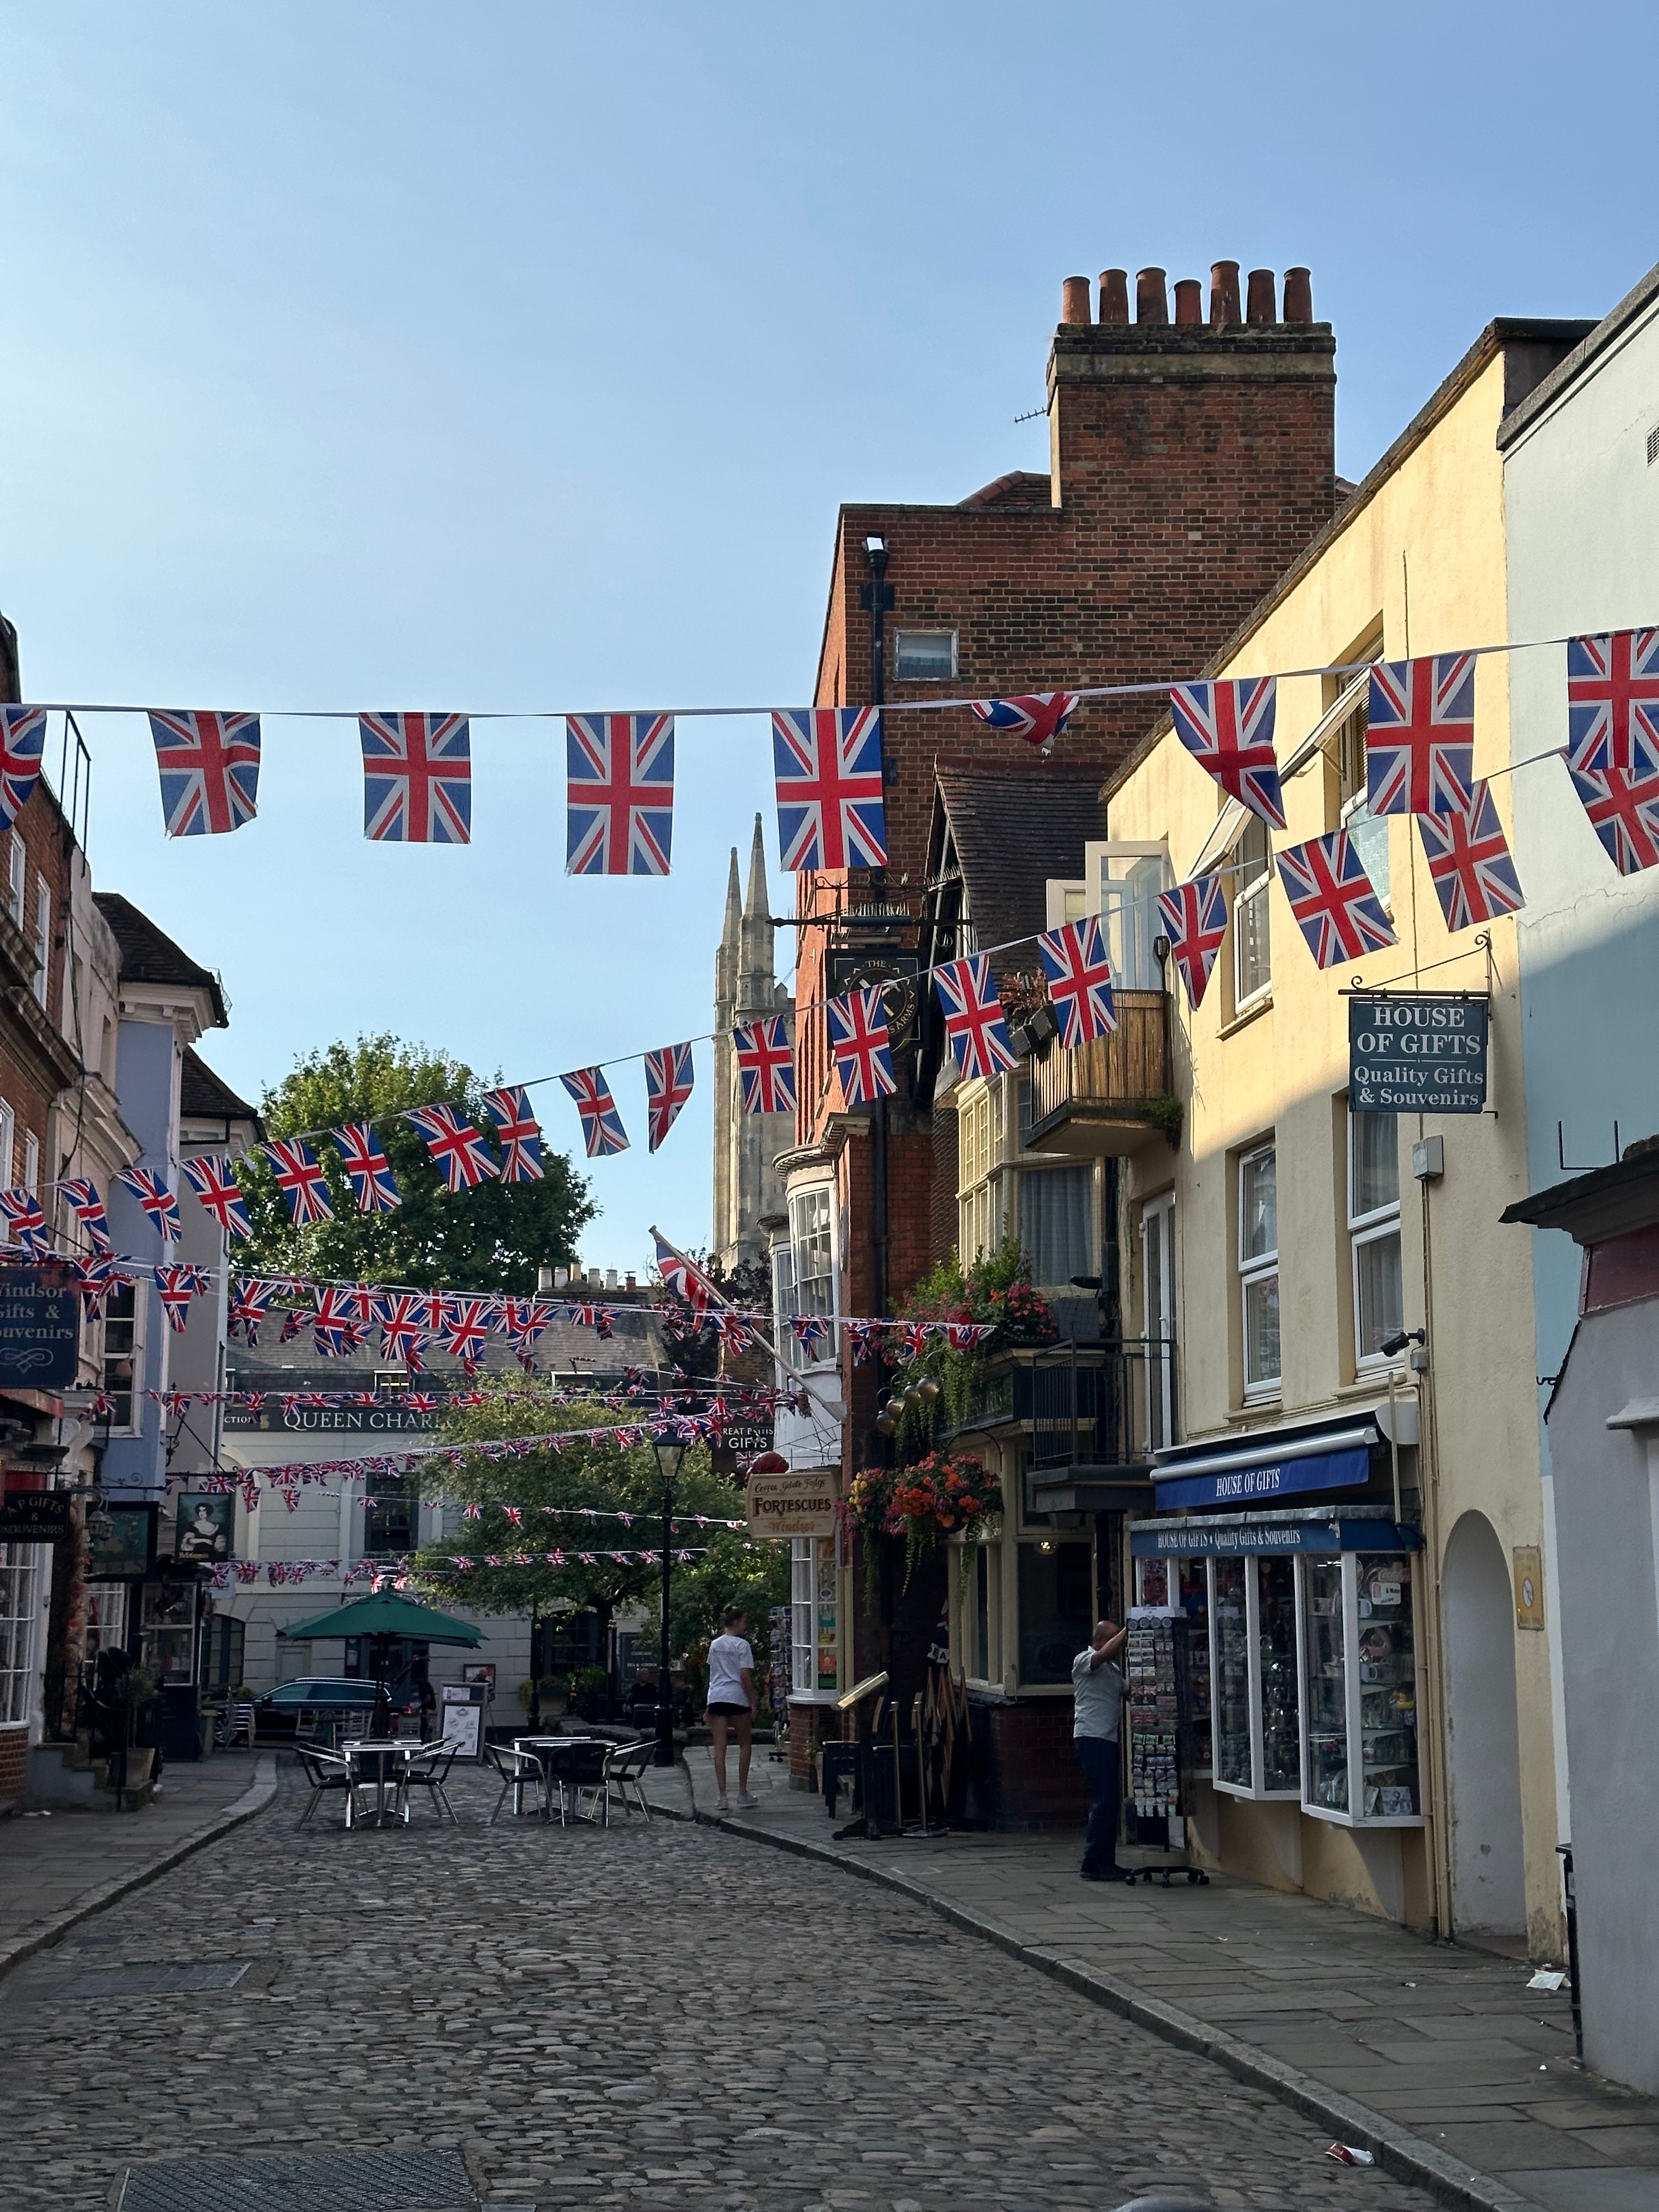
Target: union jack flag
[(417, 778), (963, 1335), (1332, 898), (620, 820), (1420, 740), (518, 1133), (528, 1318), (1624, 811), (1229, 729), (683, 1277), (1469, 862), (602, 1129), (22, 734), (209, 769), (766, 1061), (335, 1328), (466, 1327), (1079, 980), (367, 1167), (177, 1290), (669, 1077), (1040, 717), (830, 810), (157, 1201), (1612, 702), (88, 1207), (249, 1302), (96, 1276), (862, 1049), (21, 1211), (300, 1178), (865, 1337), (974, 1026), (810, 1329), (214, 1182), (1195, 917), (455, 1144)]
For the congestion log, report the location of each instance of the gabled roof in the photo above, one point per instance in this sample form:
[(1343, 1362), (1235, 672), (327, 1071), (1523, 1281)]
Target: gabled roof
[(1013, 831), (205, 1097), (148, 955)]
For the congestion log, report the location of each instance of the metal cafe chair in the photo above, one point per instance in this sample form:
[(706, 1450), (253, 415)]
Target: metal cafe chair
[(326, 1770), (624, 1775), (583, 1772), (519, 1772), (428, 1769)]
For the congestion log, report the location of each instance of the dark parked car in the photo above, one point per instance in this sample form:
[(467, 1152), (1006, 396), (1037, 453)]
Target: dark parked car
[(294, 1708)]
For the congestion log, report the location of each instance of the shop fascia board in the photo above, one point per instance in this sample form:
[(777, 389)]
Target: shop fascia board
[(1377, 1424)]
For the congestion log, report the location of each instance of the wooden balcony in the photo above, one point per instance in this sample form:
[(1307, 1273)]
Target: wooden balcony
[(1094, 1099)]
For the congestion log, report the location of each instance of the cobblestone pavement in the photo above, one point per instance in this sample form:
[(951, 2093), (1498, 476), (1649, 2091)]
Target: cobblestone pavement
[(645, 2017)]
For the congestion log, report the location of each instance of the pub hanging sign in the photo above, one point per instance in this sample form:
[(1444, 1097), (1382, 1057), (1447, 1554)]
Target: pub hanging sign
[(1419, 1052)]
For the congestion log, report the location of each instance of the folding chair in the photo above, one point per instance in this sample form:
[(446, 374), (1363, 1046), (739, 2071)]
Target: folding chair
[(325, 1771), (519, 1772), (625, 1773), (428, 1769)]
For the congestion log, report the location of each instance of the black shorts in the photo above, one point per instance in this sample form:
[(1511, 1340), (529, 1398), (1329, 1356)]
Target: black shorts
[(730, 1712)]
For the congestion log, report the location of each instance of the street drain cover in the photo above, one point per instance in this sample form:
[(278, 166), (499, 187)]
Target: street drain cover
[(376, 2181), (156, 1981)]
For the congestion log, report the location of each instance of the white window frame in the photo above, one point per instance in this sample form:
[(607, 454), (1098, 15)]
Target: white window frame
[(1065, 901), (1157, 1219), (1130, 971), (813, 1293), (41, 939), (19, 1606), (7, 1141), (133, 1425), (812, 1573), (1247, 895), (982, 1185), (984, 1564), (1373, 1226), (791, 1352), (31, 1160), (1354, 1688), (1254, 1267), (1257, 1788), (922, 630), (16, 877)]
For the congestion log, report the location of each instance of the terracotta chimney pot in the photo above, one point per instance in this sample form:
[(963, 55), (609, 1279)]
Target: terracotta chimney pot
[(1189, 302), (1299, 296), (1259, 301), (1224, 293), (1113, 295), (1074, 300), (1151, 300)]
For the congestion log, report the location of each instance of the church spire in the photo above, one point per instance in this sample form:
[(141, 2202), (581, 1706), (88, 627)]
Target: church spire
[(755, 905)]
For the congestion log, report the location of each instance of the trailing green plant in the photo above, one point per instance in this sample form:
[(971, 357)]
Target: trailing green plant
[(941, 1496), (1165, 1114), (996, 1288)]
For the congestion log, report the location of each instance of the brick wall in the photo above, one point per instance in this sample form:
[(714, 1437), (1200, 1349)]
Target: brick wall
[(1028, 1774), (14, 1766)]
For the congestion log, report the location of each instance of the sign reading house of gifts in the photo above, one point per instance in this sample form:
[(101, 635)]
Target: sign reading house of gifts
[(39, 1329), (793, 1504), (1422, 1053)]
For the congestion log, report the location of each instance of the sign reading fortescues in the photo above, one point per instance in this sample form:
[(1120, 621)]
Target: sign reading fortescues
[(1423, 1053), (793, 1504)]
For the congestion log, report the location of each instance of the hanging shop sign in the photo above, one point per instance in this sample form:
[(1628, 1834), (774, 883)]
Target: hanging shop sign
[(205, 1531), (34, 1516), (126, 1546), (335, 1421), (740, 1441), (793, 1504), (39, 1329), (1424, 1053)]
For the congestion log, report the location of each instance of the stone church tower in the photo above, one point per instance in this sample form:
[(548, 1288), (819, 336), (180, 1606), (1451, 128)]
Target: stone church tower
[(746, 1184)]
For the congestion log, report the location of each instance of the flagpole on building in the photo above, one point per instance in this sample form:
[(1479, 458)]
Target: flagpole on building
[(831, 1409)]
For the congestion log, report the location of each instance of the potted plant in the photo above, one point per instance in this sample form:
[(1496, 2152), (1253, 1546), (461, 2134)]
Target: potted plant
[(130, 1695)]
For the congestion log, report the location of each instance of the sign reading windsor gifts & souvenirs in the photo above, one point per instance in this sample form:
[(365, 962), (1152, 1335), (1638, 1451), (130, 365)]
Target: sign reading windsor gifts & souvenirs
[(1424, 1053)]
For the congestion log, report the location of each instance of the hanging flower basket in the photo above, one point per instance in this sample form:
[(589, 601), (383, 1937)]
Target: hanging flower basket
[(938, 1497)]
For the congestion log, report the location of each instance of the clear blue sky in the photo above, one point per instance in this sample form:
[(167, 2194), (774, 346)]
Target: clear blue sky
[(396, 355)]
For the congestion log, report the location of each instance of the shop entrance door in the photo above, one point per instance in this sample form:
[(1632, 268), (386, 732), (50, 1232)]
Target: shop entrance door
[(1489, 1894)]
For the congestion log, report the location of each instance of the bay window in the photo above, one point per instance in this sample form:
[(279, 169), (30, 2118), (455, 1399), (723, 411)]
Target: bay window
[(1057, 1223), (20, 1599), (811, 1250), (814, 1646)]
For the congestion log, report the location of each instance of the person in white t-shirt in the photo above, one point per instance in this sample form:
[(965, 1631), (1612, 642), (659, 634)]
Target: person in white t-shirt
[(732, 1703)]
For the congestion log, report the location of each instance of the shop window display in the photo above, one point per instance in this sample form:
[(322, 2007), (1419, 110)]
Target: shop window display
[(1326, 1705), (1230, 1675), (1254, 1677), (1361, 1690)]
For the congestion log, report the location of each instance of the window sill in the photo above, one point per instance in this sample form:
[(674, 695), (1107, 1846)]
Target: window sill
[(1265, 1401), (1246, 1015)]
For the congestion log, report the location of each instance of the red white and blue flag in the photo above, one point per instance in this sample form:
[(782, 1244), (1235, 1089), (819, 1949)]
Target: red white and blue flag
[(367, 1168), (1624, 811), (1194, 918), (1228, 727), (1469, 863), (210, 769), (96, 1277), (417, 778), (1039, 718), (465, 1328), (458, 1148), (766, 1062), (1612, 702), (517, 1131), (247, 1306), (1331, 896), (669, 1077), (20, 1210), (682, 1277), (300, 1179), (620, 820), (334, 1329), (214, 1182), (22, 735), (831, 813), (1079, 980), (602, 1129), (157, 1201), (862, 1047), (83, 1199), (401, 1331), (177, 1286), (974, 1024), (1420, 740)]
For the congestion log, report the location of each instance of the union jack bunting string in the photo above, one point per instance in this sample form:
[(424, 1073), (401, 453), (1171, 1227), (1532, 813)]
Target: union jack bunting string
[(177, 1288), (455, 1144), (367, 1168), (247, 1307), (1469, 863), (974, 1026), (863, 1051), (300, 1179), (1229, 729), (1624, 811), (334, 1329), (1612, 702), (157, 1201), (1194, 918), (518, 1132), (1332, 899), (1079, 978), (22, 1211), (1039, 718), (417, 778), (602, 1129), (88, 1207), (95, 1279), (810, 1328), (22, 734), (1420, 740), (401, 1333), (831, 813), (766, 1062), (669, 1077), (214, 1182), (620, 818), (209, 771)]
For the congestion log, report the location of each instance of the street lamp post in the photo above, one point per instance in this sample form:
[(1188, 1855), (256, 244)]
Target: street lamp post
[(669, 1455)]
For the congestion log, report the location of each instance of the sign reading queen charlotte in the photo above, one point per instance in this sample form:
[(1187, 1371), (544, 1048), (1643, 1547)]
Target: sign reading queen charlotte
[(1423, 1053)]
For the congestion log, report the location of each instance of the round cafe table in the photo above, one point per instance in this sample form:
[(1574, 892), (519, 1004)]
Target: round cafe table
[(552, 1752), (379, 1761)]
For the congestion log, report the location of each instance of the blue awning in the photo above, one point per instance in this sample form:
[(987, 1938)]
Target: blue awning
[(1179, 1539), (1268, 1478)]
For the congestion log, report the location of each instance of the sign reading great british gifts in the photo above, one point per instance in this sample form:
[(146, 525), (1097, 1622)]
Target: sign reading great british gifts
[(1421, 1054)]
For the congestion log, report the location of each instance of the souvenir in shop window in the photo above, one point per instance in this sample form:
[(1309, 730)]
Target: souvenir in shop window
[(1327, 1686), (1361, 1690), (1230, 1675), (1256, 1728)]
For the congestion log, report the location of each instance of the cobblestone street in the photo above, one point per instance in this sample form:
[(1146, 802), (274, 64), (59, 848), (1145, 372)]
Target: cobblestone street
[(642, 2017)]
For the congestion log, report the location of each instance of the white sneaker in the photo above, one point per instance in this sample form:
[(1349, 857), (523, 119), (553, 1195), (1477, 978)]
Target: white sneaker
[(722, 1804), (748, 1803)]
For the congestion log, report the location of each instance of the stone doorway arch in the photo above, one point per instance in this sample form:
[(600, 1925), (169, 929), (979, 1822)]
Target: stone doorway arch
[(1488, 1874)]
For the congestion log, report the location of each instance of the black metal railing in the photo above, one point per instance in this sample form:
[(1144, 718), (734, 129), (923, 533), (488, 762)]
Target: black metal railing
[(1106, 1403)]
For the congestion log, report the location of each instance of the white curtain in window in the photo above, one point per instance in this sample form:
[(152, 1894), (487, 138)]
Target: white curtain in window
[(1057, 1223)]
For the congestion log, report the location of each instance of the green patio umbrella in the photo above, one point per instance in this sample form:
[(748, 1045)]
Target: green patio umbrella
[(388, 1615)]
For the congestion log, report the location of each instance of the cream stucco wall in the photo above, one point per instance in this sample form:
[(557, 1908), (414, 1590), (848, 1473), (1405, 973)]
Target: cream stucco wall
[(1425, 553)]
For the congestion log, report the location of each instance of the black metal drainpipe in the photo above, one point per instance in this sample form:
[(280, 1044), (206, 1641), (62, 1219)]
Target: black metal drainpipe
[(880, 598)]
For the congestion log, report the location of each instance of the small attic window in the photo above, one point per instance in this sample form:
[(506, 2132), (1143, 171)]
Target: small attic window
[(924, 656)]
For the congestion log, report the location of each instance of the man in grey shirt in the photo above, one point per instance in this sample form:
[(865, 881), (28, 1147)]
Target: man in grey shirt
[(1098, 1694)]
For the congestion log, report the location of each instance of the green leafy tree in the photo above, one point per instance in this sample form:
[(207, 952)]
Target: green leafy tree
[(492, 1238)]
